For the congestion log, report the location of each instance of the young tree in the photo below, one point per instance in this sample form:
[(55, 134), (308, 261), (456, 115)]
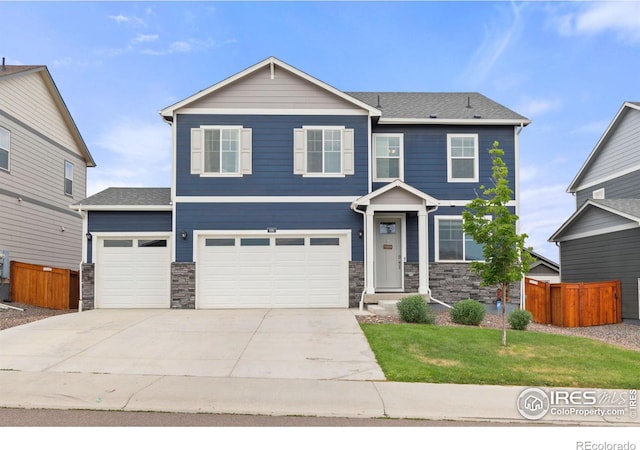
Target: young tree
[(488, 220)]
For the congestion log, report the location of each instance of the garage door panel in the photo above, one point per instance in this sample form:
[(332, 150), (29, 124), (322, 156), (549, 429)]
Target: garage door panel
[(133, 273), (272, 271)]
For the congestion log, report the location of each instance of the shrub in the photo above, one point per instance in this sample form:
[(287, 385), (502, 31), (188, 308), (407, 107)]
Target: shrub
[(519, 319), (414, 309), (467, 312)]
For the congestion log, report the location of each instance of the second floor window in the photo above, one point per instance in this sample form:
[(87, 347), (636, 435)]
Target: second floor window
[(5, 138), (388, 150), (462, 158), (323, 151), (68, 178), (221, 150)]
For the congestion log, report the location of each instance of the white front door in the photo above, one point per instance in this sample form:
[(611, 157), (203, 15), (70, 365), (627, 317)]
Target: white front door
[(389, 258)]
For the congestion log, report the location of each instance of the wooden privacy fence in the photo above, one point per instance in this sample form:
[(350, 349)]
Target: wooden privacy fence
[(48, 287), (574, 304)]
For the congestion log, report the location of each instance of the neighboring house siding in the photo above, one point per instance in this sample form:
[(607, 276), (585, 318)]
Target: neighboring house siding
[(40, 143), (614, 256), (425, 157), (272, 158), (127, 222), (28, 99), (260, 216), (284, 91), (32, 233), (595, 219), (625, 186), (619, 152)]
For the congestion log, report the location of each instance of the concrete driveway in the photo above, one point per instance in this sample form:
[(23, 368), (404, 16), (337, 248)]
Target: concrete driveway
[(318, 344)]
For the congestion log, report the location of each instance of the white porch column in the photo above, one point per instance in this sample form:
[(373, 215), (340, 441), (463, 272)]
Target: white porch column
[(370, 253), (423, 253)]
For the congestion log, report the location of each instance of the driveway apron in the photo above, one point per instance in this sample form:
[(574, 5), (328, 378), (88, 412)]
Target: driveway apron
[(319, 344)]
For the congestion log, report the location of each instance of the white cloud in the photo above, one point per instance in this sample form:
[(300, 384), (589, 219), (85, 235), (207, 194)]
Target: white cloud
[(595, 127), (145, 38), (121, 18), (131, 153), (497, 40), (184, 46), (531, 107), (621, 18)]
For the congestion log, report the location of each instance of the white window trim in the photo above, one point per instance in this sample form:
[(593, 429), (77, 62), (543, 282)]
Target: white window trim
[(221, 174), (69, 194), (322, 174), (400, 157), (450, 178), (436, 238), (8, 150)]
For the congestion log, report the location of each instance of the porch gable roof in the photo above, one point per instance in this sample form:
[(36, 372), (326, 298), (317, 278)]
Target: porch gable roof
[(424, 199)]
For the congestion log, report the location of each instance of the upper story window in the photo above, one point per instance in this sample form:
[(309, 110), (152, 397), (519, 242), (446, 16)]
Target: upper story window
[(221, 151), (5, 145), (68, 178), (323, 151), (462, 158), (388, 150), (452, 243)]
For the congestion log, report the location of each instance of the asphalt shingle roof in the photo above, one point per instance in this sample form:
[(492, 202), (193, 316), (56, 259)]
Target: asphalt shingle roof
[(129, 197), (440, 105)]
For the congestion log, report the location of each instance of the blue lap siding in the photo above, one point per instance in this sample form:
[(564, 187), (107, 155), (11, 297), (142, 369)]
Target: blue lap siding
[(127, 222), (260, 216), (272, 157)]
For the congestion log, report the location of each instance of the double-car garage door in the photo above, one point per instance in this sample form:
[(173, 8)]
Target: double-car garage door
[(239, 270), (272, 271)]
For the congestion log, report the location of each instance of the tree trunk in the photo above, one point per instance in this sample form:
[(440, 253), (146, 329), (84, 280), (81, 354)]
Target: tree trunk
[(505, 300)]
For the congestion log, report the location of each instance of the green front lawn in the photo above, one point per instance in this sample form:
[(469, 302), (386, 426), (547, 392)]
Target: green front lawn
[(472, 355)]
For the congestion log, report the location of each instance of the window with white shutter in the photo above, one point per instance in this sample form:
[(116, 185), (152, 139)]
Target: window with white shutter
[(221, 151), (323, 151)]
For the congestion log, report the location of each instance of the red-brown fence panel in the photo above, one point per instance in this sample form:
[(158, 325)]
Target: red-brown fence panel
[(47, 287)]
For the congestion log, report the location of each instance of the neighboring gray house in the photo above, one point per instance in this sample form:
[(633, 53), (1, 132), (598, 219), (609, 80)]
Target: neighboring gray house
[(43, 166), (601, 240), (543, 269)]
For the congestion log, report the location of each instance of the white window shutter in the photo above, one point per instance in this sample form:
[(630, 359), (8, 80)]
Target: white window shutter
[(299, 154), (245, 151), (348, 152), (196, 150)]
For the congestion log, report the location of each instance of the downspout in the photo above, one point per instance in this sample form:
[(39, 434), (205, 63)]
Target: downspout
[(84, 254), (429, 287), (354, 207), (518, 130)]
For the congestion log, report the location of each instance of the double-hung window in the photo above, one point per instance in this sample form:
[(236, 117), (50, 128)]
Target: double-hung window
[(452, 243), (323, 151), (388, 150), (68, 178), (462, 158), (5, 138), (221, 151)]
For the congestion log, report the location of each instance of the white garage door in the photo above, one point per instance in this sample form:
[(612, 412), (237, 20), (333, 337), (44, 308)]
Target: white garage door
[(273, 271), (132, 272)]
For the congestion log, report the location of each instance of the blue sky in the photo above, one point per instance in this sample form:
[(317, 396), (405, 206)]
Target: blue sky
[(568, 66)]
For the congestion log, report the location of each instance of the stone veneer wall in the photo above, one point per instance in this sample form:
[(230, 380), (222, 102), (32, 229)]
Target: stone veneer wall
[(356, 282), (183, 285), (88, 286), (451, 283)]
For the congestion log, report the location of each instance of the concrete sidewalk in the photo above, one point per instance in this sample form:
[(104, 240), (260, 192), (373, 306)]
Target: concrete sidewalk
[(260, 396)]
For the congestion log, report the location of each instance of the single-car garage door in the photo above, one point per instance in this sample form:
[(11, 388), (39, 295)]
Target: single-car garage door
[(132, 272), (273, 271)]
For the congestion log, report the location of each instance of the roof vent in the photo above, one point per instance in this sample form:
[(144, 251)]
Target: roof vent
[(4, 67), (468, 101), (477, 116), (378, 105), (433, 116)]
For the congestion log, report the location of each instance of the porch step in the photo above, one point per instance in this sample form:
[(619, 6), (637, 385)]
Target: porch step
[(376, 298), (384, 308)]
